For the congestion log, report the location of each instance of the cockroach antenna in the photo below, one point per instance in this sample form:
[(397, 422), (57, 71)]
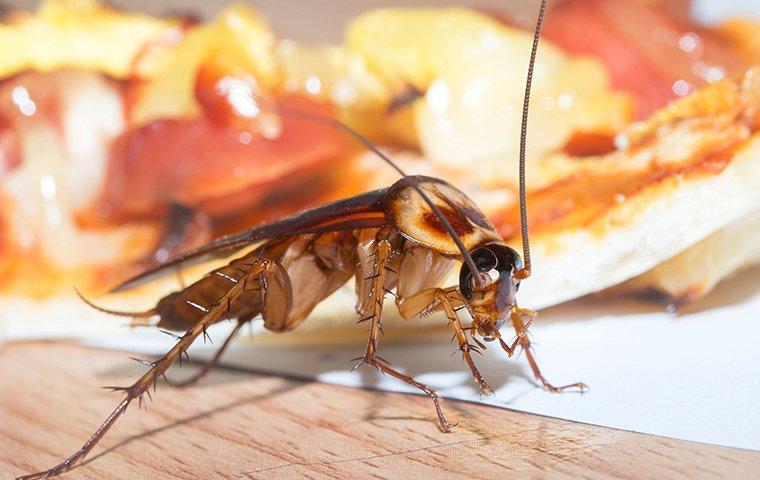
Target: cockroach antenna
[(526, 270), (370, 145)]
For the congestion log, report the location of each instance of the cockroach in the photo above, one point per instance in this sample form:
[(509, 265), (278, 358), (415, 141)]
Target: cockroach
[(405, 239)]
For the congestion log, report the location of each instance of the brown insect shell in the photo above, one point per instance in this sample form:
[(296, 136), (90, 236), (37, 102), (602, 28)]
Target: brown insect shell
[(414, 219)]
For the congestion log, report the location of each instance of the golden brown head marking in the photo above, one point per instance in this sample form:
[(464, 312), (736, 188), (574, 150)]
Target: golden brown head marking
[(456, 218), (418, 223)]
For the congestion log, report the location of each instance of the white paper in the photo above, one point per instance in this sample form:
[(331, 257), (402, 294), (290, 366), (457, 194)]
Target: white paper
[(694, 376)]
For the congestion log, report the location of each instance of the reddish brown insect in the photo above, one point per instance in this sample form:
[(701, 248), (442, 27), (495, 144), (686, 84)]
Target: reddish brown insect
[(405, 238)]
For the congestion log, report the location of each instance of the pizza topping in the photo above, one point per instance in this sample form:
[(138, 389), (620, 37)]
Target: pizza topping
[(66, 34), (215, 167), (125, 138), (650, 49), (470, 70)]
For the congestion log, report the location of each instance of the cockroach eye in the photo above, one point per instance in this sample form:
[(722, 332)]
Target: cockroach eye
[(495, 260), (493, 274)]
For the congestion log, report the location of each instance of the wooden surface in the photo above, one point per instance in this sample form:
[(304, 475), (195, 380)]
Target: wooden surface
[(238, 425)]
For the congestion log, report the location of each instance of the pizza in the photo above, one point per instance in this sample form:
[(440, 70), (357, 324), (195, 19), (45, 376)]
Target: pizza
[(126, 139)]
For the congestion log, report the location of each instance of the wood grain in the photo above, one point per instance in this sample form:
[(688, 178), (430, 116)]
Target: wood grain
[(237, 425)]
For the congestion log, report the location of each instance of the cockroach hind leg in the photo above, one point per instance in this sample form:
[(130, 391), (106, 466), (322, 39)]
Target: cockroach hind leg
[(212, 362), (141, 386)]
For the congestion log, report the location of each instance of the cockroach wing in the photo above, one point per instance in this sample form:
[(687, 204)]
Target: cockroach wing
[(309, 281), (417, 222), (361, 211)]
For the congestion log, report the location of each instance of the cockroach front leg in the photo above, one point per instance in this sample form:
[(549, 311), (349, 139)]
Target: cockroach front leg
[(373, 312), (156, 371), (510, 349), (524, 341), (464, 345)]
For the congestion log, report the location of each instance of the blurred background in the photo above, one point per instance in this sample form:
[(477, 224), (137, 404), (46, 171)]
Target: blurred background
[(126, 138), (299, 24)]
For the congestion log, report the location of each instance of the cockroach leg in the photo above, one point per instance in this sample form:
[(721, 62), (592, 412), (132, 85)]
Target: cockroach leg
[(212, 361), (384, 367), (464, 346), (149, 379), (374, 309), (510, 349), (377, 294), (524, 341)]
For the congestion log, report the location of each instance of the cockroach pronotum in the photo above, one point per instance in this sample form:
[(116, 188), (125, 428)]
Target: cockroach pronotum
[(405, 238)]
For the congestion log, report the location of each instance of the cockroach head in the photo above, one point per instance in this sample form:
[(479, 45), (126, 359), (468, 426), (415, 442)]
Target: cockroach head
[(491, 303)]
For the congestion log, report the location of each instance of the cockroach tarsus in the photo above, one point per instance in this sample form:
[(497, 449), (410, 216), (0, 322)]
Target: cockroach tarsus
[(403, 239)]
